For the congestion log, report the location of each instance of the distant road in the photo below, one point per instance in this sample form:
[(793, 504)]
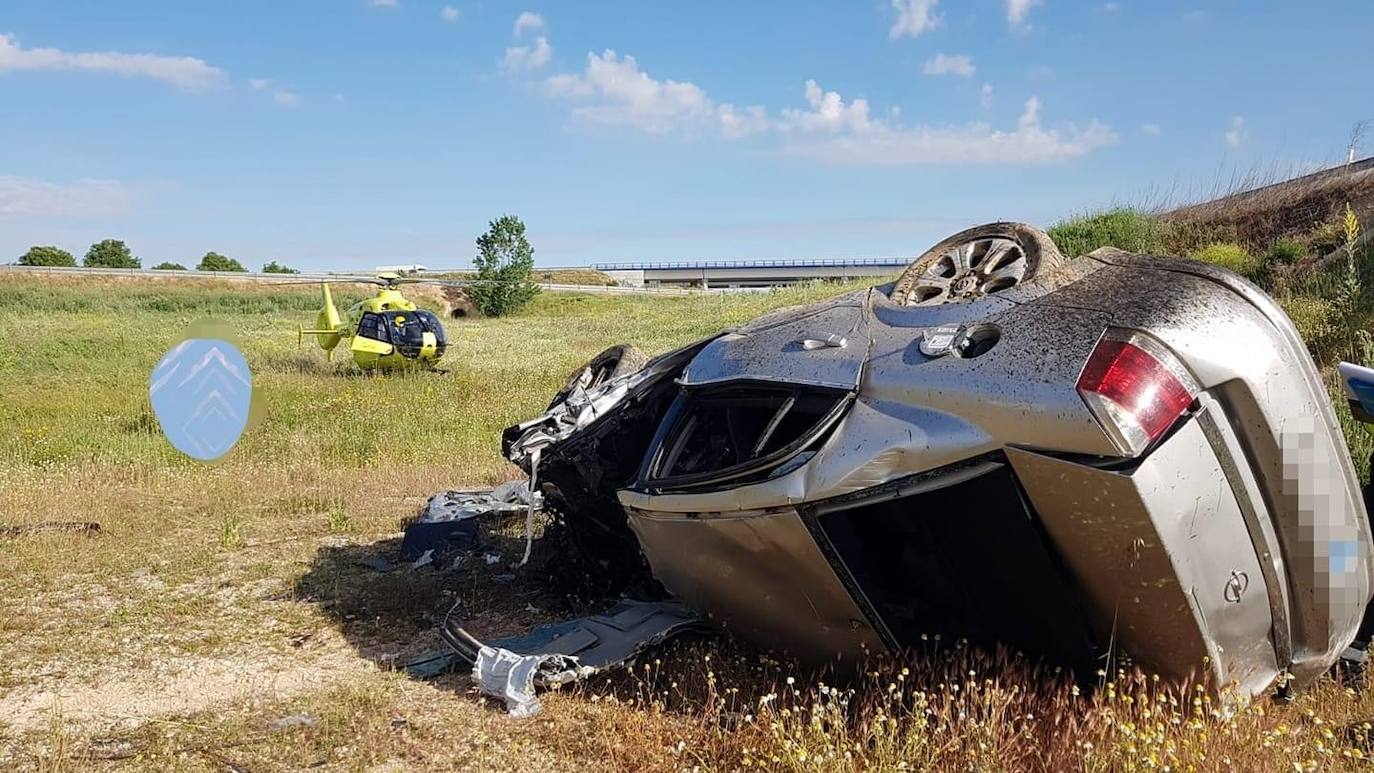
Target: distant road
[(253, 276)]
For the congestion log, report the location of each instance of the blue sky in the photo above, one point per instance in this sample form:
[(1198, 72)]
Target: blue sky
[(351, 133)]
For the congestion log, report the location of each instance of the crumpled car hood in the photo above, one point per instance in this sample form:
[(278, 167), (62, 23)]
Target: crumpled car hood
[(823, 346)]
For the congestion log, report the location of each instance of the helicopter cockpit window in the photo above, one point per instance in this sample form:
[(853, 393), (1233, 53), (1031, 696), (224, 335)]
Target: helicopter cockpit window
[(406, 327), (431, 324), (374, 326)]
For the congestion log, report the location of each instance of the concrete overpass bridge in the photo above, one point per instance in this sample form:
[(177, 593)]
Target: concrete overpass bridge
[(748, 273)]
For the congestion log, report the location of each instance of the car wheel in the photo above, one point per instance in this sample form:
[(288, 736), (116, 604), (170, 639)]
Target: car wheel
[(981, 261), (614, 362)]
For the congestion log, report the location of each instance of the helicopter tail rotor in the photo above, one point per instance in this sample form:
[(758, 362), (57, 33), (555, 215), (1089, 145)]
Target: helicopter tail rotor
[(328, 325)]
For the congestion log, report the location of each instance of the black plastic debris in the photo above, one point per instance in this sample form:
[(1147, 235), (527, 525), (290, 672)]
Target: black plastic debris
[(439, 537), (448, 523)]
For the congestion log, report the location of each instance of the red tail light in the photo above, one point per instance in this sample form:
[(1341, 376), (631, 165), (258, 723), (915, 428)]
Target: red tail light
[(1135, 388)]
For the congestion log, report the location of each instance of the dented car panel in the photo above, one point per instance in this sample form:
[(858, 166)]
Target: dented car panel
[(759, 573), (1174, 579), (1119, 456)]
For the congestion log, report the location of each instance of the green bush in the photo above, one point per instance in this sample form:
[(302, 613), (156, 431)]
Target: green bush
[(1125, 229), (213, 261), (1232, 257), (47, 256), (1315, 319), (111, 253), (1284, 251), (276, 268), (169, 266), (1325, 237)]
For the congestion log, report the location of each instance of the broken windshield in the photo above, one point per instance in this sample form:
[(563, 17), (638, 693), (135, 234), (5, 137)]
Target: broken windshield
[(734, 431)]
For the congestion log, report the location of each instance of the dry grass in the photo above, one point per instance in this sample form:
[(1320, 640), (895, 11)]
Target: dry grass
[(222, 619), (1259, 212)]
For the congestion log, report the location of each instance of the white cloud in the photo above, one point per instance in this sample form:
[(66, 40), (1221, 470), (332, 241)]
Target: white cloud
[(283, 97), (29, 197), (945, 64), (184, 72), (878, 143), (384, 3), (985, 96), (339, 99), (913, 18), (624, 95), (1018, 9), (738, 123), (1111, 7), (1152, 129), (614, 91), (527, 21), (828, 113), (972, 144), (449, 14), (527, 58), (1237, 134), (1031, 116)]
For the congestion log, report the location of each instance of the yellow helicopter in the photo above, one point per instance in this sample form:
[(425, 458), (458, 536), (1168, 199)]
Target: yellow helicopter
[(385, 332)]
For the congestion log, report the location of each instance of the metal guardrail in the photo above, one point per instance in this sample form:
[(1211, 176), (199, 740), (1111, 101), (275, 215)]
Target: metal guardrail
[(257, 276), (781, 263)]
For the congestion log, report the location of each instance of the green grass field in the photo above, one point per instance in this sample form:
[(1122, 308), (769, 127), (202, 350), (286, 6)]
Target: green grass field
[(222, 619)]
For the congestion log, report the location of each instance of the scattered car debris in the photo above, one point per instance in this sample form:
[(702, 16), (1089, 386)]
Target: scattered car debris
[(1111, 458), (553, 655), (448, 522)]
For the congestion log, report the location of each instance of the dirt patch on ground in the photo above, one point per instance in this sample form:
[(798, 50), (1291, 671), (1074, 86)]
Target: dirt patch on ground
[(177, 687)]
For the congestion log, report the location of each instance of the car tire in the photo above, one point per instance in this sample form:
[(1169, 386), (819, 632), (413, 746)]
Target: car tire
[(614, 362), (980, 261)]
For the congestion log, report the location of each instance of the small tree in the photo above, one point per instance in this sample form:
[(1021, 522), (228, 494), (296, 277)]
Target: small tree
[(46, 256), (276, 268), (169, 266), (213, 261), (111, 253), (504, 261)]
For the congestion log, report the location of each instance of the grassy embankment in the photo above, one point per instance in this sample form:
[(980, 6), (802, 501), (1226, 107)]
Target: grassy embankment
[(222, 618)]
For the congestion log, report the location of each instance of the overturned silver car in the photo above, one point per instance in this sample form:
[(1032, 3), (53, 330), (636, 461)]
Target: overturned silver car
[(1111, 456)]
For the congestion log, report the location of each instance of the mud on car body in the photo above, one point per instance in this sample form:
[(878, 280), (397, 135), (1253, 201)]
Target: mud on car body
[(1111, 455)]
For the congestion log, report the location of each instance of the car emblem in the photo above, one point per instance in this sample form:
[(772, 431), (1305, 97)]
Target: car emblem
[(1236, 586)]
